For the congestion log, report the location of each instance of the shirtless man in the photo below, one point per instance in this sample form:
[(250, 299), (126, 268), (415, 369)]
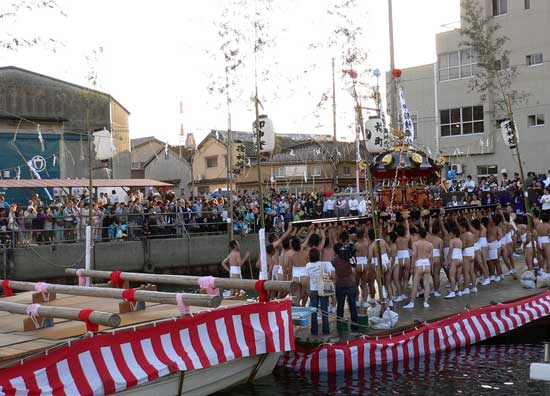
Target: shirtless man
[(374, 267), (394, 267), (468, 254), (403, 258), (484, 221), (455, 260), (529, 244), (479, 263), (435, 239), (422, 255), (235, 261), (298, 258), (509, 241), (362, 277), (543, 240), (503, 241), (545, 233), (493, 240)]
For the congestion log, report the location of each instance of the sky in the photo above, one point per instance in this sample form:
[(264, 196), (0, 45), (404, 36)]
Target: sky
[(156, 54)]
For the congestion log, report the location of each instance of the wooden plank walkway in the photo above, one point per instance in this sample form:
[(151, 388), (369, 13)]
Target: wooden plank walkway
[(497, 292)]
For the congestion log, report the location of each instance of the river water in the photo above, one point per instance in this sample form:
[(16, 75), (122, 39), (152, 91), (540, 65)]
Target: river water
[(476, 370)]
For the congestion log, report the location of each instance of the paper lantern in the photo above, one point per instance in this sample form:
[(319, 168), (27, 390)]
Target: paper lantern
[(451, 174), (267, 134), (396, 73), (375, 134)]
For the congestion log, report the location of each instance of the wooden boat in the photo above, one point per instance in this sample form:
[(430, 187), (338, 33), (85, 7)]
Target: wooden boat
[(154, 350)]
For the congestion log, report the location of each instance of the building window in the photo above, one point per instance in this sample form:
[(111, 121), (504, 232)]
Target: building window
[(279, 173), (532, 60), (500, 7), (347, 171), (486, 171), (315, 171), (136, 165), (458, 64), (503, 64), (527, 4), (535, 120), (212, 162), (462, 121)]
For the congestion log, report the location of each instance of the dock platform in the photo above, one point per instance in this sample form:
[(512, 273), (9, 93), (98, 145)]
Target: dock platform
[(507, 290)]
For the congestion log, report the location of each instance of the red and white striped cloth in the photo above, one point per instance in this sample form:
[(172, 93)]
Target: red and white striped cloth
[(463, 329), (108, 363)]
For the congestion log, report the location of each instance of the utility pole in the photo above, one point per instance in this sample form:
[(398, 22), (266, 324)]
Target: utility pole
[(229, 162), (89, 240), (334, 140), (393, 81)]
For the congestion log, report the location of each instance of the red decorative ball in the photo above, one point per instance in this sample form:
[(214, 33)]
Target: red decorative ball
[(353, 74), (396, 73)]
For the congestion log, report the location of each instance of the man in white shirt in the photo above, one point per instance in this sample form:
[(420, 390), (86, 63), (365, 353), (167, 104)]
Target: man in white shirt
[(469, 185), (547, 180), (353, 204), (331, 202)]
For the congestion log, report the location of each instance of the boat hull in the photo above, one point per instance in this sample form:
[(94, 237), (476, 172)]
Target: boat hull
[(209, 380)]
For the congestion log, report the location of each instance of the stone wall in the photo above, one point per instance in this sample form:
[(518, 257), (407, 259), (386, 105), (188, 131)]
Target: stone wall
[(198, 256)]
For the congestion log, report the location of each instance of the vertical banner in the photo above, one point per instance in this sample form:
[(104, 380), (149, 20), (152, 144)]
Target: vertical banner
[(408, 126), (263, 255)]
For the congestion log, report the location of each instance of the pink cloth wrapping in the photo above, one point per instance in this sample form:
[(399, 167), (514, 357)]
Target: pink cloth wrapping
[(209, 283), (184, 309), (81, 278), (42, 287), (32, 311)]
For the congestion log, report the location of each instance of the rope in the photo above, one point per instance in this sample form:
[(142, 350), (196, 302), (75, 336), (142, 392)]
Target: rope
[(263, 294), (8, 291), (84, 316), (129, 296), (115, 279)]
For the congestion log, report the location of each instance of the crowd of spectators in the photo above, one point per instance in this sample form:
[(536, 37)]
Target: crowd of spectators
[(134, 216)]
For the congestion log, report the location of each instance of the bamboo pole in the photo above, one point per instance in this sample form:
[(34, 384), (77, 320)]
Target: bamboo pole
[(199, 300), (187, 280), (101, 318)]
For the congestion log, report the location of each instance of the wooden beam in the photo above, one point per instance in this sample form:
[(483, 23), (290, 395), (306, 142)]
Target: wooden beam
[(101, 318), (187, 280), (199, 300)]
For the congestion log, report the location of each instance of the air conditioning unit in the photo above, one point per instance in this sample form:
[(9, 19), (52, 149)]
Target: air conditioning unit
[(458, 168)]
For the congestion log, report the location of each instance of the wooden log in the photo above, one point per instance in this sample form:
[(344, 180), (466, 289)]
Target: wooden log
[(187, 280), (199, 300), (102, 318)]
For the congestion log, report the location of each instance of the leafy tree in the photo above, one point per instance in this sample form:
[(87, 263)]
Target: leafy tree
[(17, 9), (495, 75)]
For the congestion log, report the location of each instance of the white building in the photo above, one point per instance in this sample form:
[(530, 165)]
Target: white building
[(452, 119)]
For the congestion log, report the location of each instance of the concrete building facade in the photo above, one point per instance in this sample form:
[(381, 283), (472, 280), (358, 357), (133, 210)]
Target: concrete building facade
[(453, 120)]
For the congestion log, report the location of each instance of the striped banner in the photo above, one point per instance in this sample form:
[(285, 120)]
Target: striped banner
[(465, 328), (108, 363)]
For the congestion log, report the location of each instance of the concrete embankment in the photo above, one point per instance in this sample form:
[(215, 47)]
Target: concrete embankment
[(198, 255)]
